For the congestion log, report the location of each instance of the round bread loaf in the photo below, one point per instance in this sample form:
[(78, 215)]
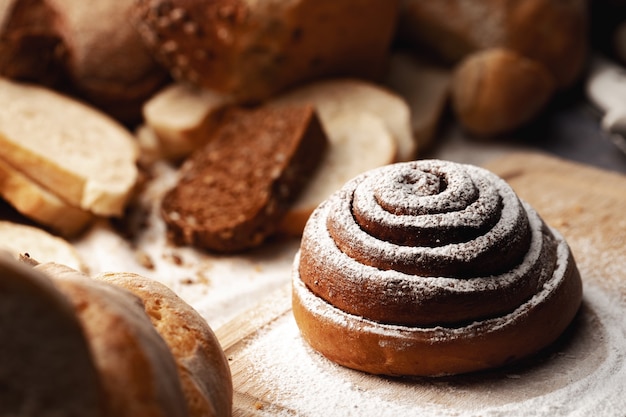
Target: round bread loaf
[(202, 367), (431, 268), (253, 49), (134, 364), (47, 366), (497, 90)]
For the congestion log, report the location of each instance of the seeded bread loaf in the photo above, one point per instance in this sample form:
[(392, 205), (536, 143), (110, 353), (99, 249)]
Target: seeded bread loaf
[(89, 48), (69, 149), (253, 49), (232, 193), (47, 365)]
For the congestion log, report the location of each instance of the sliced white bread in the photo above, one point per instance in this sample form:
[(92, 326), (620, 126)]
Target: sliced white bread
[(70, 149), (182, 116), (39, 205), (358, 141), (20, 240), (426, 87), (356, 96)]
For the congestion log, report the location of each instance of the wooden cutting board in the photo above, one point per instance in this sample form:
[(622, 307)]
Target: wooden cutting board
[(275, 373)]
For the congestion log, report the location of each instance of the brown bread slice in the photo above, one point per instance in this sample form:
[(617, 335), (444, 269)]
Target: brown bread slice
[(233, 192)]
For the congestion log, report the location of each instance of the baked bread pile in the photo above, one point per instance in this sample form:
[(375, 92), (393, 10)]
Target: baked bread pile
[(113, 345), (431, 268), (62, 162)]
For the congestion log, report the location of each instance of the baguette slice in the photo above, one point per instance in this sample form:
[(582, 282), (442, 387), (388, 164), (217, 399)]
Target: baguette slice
[(426, 87), (70, 149), (202, 367), (137, 369), (331, 97), (20, 239), (47, 367), (182, 117), (39, 205), (358, 141)]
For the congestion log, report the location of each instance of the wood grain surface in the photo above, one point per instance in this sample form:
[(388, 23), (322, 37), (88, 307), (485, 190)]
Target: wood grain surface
[(275, 373)]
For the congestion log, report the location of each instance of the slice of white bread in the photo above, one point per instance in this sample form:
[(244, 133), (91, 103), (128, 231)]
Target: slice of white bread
[(40, 205), (182, 117), (202, 366), (333, 96), (358, 141), (426, 88), (47, 369), (70, 149), (20, 239), (136, 367)]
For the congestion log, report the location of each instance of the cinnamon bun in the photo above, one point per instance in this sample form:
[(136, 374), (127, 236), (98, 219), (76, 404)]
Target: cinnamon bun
[(431, 268)]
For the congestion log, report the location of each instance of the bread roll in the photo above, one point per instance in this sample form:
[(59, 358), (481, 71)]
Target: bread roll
[(497, 90), (431, 268)]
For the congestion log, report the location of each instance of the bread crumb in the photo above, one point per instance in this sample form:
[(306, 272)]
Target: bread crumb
[(258, 405)]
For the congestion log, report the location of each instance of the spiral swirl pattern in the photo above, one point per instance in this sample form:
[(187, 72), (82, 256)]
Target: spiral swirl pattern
[(426, 243)]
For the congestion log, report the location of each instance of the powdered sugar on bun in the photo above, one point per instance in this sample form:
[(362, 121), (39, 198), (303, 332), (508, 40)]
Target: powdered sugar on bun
[(441, 253)]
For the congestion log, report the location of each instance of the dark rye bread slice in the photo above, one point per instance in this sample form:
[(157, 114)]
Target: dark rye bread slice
[(232, 193)]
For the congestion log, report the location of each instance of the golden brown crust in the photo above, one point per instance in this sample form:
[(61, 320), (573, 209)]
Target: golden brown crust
[(135, 366), (497, 90), (395, 350), (252, 50), (430, 268), (202, 366)]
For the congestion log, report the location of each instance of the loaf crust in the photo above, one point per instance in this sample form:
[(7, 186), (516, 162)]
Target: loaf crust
[(254, 49), (233, 192), (134, 364), (431, 268), (47, 366), (202, 367)]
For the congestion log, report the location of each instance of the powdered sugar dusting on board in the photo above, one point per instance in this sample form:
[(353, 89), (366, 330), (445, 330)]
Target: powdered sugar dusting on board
[(583, 373)]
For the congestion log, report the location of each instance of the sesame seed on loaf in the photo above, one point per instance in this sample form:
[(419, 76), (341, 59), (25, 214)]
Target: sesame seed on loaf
[(233, 192)]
